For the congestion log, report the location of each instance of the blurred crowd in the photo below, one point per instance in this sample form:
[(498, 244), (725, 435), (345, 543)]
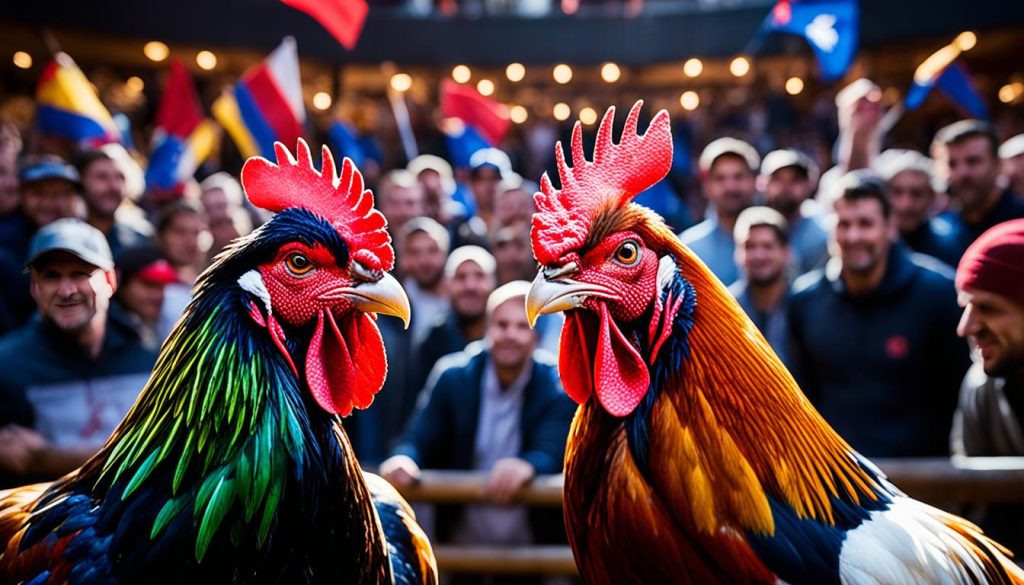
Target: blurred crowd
[(848, 273)]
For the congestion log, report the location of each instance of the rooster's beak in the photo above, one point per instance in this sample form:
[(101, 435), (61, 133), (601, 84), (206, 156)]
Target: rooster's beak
[(385, 296), (552, 291)]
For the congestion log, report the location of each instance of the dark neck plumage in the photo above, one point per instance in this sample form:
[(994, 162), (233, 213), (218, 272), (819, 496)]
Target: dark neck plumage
[(225, 441)]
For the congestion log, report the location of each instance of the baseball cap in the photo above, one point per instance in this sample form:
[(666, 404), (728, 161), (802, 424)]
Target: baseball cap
[(146, 263), (1012, 147), (48, 167), (789, 157), (728, 145), (490, 157), (73, 236)]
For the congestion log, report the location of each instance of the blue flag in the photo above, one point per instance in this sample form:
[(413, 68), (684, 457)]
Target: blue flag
[(346, 143), (956, 83), (830, 27)]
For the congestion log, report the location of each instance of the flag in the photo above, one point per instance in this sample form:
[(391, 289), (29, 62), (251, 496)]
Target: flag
[(183, 137), (266, 104), (830, 27), (346, 143), (69, 107), (943, 70), (344, 19), (488, 117)]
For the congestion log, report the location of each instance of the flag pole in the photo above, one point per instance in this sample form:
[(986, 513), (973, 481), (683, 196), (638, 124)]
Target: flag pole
[(401, 113)]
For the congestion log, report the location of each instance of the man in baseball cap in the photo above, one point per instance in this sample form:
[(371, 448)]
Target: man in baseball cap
[(990, 288), (728, 169), (788, 178), (50, 189), (71, 375), (143, 273)]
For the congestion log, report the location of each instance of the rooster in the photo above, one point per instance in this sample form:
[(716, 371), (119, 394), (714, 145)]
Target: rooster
[(694, 457), (232, 467)]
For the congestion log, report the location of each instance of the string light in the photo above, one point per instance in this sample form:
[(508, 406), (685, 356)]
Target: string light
[(155, 51), (739, 66), (561, 111), (518, 114), (134, 84), (485, 87), (22, 60), (610, 72), (322, 100), (562, 73), (588, 115), (693, 67), (206, 60), (794, 85), (515, 72), (401, 82), (461, 74), (689, 100)]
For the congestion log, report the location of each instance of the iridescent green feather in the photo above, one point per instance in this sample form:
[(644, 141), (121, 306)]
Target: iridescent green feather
[(210, 396)]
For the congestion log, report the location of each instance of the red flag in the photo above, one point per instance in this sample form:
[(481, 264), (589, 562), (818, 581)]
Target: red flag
[(179, 111), (489, 117), (344, 19)]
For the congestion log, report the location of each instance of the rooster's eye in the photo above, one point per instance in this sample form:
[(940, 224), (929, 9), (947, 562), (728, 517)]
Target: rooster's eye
[(298, 265), (627, 253)]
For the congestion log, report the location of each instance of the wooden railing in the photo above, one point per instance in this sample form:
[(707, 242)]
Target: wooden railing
[(938, 481)]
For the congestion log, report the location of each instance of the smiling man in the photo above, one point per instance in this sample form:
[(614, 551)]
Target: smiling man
[(990, 288), (873, 343), (71, 375), (497, 407)]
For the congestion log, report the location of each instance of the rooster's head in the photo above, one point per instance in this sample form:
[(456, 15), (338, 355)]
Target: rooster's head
[(600, 257), (315, 275)]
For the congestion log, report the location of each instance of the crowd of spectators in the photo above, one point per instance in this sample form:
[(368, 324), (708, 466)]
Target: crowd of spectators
[(848, 274)]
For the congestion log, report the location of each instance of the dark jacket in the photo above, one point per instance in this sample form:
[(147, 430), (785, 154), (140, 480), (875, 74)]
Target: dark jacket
[(49, 383), (937, 238), (883, 368), (444, 337), (442, 434), (1009, 206)]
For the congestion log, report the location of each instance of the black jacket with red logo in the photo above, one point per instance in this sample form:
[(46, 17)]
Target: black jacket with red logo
[(884, 368)]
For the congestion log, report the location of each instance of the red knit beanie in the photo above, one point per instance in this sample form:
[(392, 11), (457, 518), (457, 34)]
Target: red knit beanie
[(995, 262)]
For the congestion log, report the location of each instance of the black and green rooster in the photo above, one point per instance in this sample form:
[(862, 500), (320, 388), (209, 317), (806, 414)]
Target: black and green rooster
[(232, 467)]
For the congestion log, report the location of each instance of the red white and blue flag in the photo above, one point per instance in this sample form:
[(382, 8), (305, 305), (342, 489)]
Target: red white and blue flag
[(183, 137), (266, 104)]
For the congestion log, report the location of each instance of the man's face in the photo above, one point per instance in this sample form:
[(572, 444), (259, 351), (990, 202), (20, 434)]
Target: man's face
[(513, 205), (729, 184), (215, 202), (8, 180), (103, 187), (786, 189), (513, 255), (862, 233), (48, 200), (433, 191), (911, 195), (484, 184), (469, 287), (762, 256), (69, 291), (144, 298), (400, 204), (422, 259), (996, 326), (180, 241), (973, 170), (512, 340), (1013, 168)]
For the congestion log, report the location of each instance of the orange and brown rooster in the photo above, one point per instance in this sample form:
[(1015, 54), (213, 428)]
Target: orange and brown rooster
[(694, 457)]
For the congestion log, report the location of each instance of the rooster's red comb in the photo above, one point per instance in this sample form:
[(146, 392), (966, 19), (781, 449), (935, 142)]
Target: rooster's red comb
[(618, 173), (343, 201)]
